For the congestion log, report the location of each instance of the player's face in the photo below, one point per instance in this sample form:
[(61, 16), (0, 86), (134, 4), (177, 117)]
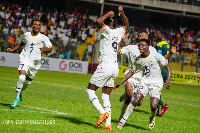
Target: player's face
[(143, 47), (36, 26), (159, 36)]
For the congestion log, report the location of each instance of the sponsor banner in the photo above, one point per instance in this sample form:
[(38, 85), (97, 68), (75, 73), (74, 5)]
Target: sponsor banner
[(122, 70), (185, 77), (72, 66), (9, 59), (51, 64)]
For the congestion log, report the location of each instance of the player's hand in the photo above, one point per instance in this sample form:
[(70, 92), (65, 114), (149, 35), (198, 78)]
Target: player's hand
[(42, 49), (111, 13), (120, 9), (167, 85), (116, 87), (9, 49), (174, 49)]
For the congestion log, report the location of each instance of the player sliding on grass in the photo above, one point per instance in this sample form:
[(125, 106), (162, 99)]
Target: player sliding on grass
[(107, 70), (30, 58), (147, 65)]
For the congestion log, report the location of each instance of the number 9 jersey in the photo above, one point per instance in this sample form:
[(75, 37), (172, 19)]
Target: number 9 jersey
[(109, 43)]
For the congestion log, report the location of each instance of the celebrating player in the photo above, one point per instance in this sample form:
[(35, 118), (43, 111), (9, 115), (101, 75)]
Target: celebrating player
[(107, 70), (147, 65), (30, 58)]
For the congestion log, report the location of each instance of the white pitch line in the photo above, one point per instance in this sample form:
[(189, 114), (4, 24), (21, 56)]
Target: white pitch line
[(52, 111), (38, 108), (26, 111)]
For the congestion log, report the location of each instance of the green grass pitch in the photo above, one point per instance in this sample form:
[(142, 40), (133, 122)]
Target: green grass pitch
[(57, 102)]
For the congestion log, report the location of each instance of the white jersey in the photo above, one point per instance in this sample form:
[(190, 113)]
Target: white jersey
[(132, 51), (33, 45), (109, 43), (150, 66)]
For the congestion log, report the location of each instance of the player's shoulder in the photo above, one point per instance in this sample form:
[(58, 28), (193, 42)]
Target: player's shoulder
[(42, 35), (27, 33)]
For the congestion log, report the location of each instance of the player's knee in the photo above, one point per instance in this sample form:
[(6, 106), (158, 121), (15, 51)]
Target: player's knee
[(22, 78), (153, 107)]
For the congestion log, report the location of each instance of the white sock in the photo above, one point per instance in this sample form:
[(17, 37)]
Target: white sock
[(107, 107), (123, 109), (20, 85), (95, 101), (128, 111)]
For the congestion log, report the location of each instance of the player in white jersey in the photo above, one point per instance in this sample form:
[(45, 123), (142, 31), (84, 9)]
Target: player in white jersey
[(107, 70), (148, 64), (30, 58), (132, 51)]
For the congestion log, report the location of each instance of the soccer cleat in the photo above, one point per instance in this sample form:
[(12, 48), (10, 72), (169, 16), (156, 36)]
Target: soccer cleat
[(163, 110), (102, 118), (119, 126), (108, 127), (122, 98), (151, 122), (14, 104)]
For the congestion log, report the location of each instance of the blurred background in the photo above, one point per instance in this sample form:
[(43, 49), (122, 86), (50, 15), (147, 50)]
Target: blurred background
[(71, 27)]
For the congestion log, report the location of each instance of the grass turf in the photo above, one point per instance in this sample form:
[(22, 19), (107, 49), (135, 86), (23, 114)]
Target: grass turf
[(57, 102)]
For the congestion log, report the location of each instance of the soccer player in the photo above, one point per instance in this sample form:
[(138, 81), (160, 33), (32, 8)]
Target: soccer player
[(107, 70), (163, 48), (132, 52), (147, 65), (30, 58)]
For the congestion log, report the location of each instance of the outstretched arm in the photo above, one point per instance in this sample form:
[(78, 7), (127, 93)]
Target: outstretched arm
[(128, 75), (15, 48)]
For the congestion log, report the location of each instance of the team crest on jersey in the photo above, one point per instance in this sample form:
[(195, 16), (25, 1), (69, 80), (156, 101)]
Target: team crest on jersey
[(151, 64), (39, 42)]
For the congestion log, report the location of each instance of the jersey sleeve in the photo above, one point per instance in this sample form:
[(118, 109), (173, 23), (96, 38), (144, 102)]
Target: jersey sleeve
[(152, 49), (161, 59), (124, 51), (105, 30), (47, 42)]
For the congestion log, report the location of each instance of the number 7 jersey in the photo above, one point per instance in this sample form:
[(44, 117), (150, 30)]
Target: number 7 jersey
[(31, 50)]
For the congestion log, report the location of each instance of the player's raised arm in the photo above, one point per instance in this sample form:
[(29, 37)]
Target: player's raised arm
[(173, 50), (122, 14), (101, 19)]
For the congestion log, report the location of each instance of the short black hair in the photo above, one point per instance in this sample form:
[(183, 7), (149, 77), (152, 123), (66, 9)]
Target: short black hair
[(164, 32), (34, 21), (107, 21), (145, 40)]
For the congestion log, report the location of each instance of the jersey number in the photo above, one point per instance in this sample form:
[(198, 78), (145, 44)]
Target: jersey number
[(22, 65), (114, 45), (147, 70), (31, 47)]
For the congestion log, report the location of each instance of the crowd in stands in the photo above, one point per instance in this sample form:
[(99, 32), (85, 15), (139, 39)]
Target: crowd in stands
[(69, 29)]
